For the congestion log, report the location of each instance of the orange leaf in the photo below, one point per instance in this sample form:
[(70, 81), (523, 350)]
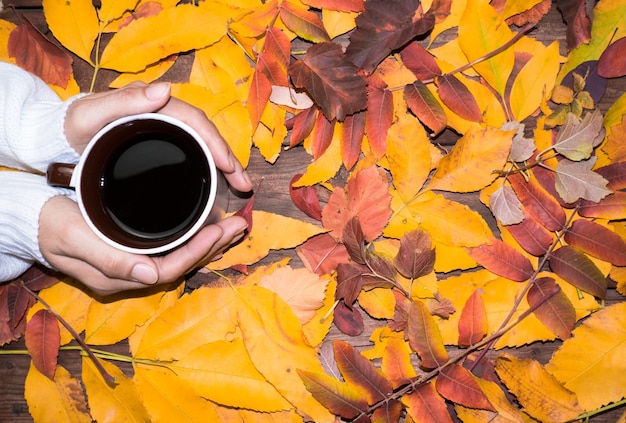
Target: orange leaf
[(338, 5), (503, 260), (531, 236), (554, 310), (258, 96), (321, 135), (322, 253), (538, 203), (303, 22), (458, 98), (611, 207), (424, 336), (473, 323), (35, 53), (425, 106), (302, 125), (579, 270), (379, 115), (305, 198), (278, 46), (339, 397), (366, 195), (425, 405), (42, 341), (457, 384), (359, 371), (598, 241), (353, 130)]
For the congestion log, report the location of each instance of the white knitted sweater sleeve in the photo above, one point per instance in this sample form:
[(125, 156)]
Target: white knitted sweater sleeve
[(31, 136)]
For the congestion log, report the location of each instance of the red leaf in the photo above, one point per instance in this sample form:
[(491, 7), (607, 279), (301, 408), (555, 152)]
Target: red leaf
[(246, 210), (611, 207), (384, 26), (424, 336), (425, 405), (303, 124), (473, 325), (274, 71), (419, 61), (305, 198), (597, 241), (612, 62), (322, 135), (348, 320), (458, 98), (425, 106), (416, 255), (303, 22), (36, 54), (43, 339), (352, 133), (322, 253), (577, 269), (503, 260), (359, 371), (554, 310), (457, 384), (578, 23), (354, 240), (338, 5), (349, 282), (258, 96), (331, 80), (388, 412), (366, 195), (339, 397), (531, 236), (278, 46), (615, 173), (379, 115), (37, 278), (538, 203)]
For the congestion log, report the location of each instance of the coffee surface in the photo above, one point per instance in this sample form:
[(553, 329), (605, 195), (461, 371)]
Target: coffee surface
[(155, 188)]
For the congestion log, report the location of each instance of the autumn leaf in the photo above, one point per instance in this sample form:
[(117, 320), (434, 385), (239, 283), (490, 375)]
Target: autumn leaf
[(339, 397), (330, 79), (322, 253), (611, 63), (416, 256), (473, 325), (577, 138), (553, 308), (539, 392), (458, 98), (423, 103), (538, 202), (379, 115), (531, 236), (42, 341), (420, 61), (505, 206), (576, 180), (457, 384), (503, 260), (424, 336), (597, 241), (341, 6), (303, 22), (352, 133), (579, 270)]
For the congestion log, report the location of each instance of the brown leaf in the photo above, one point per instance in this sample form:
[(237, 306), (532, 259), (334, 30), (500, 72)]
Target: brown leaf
[(305, 198), (597, 241), (303, 22), (322, 253), (360, 372), (532, 15), (349, 282), (43, 339), (615, 173), (331, 80), (611, 207), (577, 269), (416, 255), (352, 132), (14, 304), (389, 412), (354, 240), (538, 203), (425, 106), (576, 180), (379, 114), (381, 266), (473, 324), (503, 260), (384, 26), (348, 319), (425, 405), (424, 336), (339, 397), (578, 22), (419, 61), (457, 384), (36, 54), (554, 309), (531, 236), (505, 206), (458, 98)]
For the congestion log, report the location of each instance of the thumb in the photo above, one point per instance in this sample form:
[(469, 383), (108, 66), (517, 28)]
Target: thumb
[(89, 114)]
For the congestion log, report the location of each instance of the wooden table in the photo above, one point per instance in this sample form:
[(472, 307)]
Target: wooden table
[(275, 198)]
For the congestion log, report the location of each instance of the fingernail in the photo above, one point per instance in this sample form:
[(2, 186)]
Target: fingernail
[(144, 274), (158, 91), (247, 178)]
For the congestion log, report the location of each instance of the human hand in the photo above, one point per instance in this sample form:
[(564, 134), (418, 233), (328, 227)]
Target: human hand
[(70, 246)]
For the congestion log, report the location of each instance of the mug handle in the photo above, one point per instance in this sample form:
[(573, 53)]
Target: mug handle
[(60, 174)]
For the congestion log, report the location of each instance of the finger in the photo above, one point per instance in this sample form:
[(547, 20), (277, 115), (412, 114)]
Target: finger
[(89, 114)]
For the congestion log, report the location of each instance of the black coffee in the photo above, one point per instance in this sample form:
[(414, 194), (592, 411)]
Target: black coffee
[(156, 187)]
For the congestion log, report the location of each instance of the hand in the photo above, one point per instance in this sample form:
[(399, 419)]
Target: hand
[(71, 247)]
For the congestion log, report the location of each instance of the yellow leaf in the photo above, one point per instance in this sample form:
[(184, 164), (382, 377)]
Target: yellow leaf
[(452, 20), (219, 369), (326, 165), (450, 258), (317, 328), (169, 399), (289, 416), (302, 289), (206, 315), (381, 339), (539, 393), (408, 152), (482, 31), (112, 321), (178, 29), (506, 412), (338, 23), (111, 10), (6, 28), (148, 75), (534, 83), (470, 164), (74, 23), (271, 133), (117, 402), (70, 90), (379, 303), (70, 303), (591, 362), (58, 401), (273, 337), (270, 231)]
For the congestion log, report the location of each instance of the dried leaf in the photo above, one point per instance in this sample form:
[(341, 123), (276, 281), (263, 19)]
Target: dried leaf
[(577, 138), (379, 115), (473, 324), (305, 198), (348, 319), (302, 126), (538, 203), (578, 22), (598, 241), (611, 207), (612, 63), (339, 397), (322, 253), (457, 384), (554, 309), (416, 256), (425, 106), (35, 53), (424, 336), (42, 341), (258, 96), (540, 394), (331, 80), (575, 180), (303, 22), (419, 61), (424, 404), (353, 131), (577, 269), (531, 236), (505, 206), (458, 98), (503, 260)]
